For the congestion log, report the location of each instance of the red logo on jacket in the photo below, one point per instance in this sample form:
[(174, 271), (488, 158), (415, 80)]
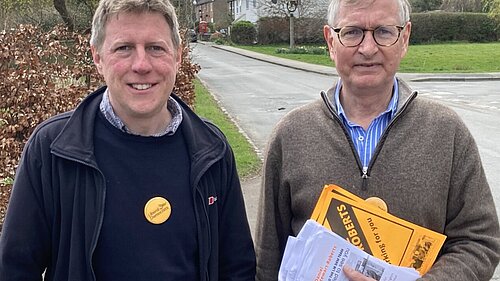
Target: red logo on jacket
[(212, 200)]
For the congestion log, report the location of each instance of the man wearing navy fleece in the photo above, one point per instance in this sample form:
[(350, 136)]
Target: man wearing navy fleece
[(131, 185)]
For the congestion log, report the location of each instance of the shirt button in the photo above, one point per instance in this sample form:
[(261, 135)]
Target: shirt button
[(361, 138)]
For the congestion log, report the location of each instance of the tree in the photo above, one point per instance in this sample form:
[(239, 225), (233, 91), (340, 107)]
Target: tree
[(185, 12), (316, 9), (492, 7), (306, 8), (75, 14), (462, 6), (60, 6), (425, 5), (14, 12)]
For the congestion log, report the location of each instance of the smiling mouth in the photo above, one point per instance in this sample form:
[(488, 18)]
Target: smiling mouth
[(141, 86)]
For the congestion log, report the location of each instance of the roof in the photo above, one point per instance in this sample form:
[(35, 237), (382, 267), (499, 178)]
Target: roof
[(199, 2)]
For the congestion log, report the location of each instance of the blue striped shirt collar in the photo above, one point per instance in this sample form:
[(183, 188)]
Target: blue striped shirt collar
[(365, 141), (392, 107), (172, 105)]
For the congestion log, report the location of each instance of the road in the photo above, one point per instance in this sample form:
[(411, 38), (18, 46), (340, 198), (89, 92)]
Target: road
[(257, 94)]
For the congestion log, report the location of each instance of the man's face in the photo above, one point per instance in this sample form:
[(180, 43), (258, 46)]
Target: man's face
[(139, 63), (368, 65)]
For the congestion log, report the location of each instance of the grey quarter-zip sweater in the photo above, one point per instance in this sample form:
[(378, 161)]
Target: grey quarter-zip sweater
[(426, 167)]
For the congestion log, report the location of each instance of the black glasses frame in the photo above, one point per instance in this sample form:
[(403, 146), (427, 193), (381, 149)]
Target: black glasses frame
[(338, 29)]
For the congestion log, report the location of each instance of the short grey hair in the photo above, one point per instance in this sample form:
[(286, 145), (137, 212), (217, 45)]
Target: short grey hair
[(333, 9), (108, 8)]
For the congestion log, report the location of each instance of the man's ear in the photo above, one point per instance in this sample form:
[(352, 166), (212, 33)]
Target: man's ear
[(406, 38), (178, 59), (330, 40), (96, 58)]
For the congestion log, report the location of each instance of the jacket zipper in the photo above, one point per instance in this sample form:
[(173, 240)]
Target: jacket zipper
[(101, 213), (364, 179), (365, 172), (329, 105), (205, 269), (203, 266)]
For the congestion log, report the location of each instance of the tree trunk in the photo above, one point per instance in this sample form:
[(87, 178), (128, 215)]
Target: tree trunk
[(60, 6)]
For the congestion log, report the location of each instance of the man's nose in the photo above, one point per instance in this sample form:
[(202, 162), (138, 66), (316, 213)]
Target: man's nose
[(368, 46), (141, 62)]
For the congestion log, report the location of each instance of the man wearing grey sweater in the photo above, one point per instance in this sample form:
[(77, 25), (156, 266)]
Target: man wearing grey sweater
[(373, 136)]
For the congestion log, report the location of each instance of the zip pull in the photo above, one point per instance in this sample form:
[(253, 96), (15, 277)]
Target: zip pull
[(364, 179)]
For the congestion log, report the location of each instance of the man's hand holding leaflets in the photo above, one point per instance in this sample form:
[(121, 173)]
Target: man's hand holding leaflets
[(348, 232)]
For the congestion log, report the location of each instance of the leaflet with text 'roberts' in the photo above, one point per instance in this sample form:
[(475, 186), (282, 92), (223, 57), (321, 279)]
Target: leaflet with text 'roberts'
[(377, 232)]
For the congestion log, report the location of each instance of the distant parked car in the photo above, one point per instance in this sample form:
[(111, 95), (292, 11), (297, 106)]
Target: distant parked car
[(193, 37)]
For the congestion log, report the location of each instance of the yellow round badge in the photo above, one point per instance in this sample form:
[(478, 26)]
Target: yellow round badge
[(377, 202), (157, 210)]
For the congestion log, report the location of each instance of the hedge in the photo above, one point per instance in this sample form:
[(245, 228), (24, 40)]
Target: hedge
[(443, 27), (426, 28), (243, 32)]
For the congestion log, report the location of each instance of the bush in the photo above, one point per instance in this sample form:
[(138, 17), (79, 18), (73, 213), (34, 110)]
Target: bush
[(319, 51), (443, 27), (43, 15), (303, 50), (44, 74), (216, 36), (184, 85), (243, 32), (220, 41)]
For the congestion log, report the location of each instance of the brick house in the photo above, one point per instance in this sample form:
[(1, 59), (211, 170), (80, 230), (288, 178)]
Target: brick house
[(213, 11)]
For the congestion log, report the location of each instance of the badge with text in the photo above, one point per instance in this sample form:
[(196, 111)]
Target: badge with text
[(157, 210), (377, 202)]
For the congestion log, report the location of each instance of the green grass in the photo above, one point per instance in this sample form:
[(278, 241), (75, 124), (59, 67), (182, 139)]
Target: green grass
[(433, 58), (458, 58), (247, 160), (271, 50)]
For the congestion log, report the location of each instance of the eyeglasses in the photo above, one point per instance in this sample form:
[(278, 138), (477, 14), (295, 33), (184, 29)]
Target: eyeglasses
[(352, 36)]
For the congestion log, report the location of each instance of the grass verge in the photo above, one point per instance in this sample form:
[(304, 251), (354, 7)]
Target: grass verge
[(247, 160), (432, 58)]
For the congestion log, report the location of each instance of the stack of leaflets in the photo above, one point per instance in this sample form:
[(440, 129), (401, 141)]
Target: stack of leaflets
[(319, 254), (377, 232)]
